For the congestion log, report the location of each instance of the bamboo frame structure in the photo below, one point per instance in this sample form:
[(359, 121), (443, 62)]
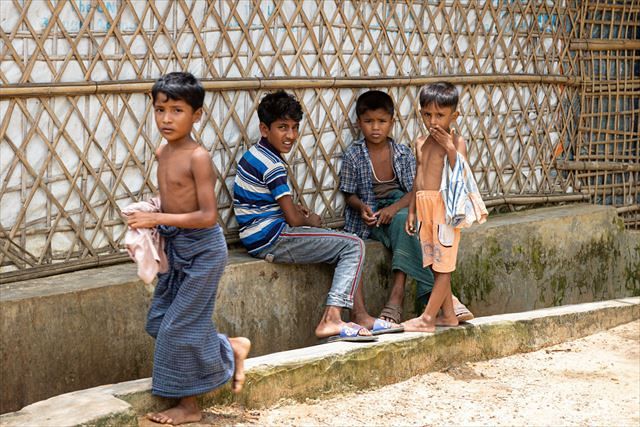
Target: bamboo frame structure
[(549, 103)]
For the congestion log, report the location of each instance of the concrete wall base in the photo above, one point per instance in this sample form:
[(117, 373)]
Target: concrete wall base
[(86, 328), (327, 369)]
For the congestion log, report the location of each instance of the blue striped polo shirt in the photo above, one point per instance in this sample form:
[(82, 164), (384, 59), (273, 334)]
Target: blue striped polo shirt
[(261, 179)]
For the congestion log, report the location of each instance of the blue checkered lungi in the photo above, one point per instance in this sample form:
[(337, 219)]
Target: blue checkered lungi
[(191, 357)]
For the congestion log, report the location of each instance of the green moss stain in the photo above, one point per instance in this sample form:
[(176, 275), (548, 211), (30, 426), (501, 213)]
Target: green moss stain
[(559, 271), (594, 265), (632, 273), (124, 418), (540, 265), (382, 273), (539, 255), (477, 276), (558, 289)]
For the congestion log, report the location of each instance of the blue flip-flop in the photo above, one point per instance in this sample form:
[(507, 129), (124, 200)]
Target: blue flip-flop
[(349, 332), (383, 327)]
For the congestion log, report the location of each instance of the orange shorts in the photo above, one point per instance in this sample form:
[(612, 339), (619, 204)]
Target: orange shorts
[(439, 241)]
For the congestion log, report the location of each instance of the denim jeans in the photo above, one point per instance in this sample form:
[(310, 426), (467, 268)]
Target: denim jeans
[(310, 245)]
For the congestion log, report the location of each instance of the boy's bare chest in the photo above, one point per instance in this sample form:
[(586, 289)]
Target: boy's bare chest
[(382, 165), (433, 154), (175, 173)]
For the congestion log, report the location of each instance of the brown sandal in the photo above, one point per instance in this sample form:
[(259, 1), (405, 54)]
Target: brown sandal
[(391, 312), (462, 312)]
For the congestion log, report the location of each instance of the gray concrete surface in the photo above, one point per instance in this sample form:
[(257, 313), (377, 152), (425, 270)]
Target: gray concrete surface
[(340, 367), (546, 257), (86, 328)]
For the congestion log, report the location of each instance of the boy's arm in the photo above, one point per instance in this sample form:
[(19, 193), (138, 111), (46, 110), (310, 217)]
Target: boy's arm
[(419, 144), (451, 142), (385, 215), (207, 214), (295, 216), (366, 213), (461, 145), (349, 187), (410, 224)]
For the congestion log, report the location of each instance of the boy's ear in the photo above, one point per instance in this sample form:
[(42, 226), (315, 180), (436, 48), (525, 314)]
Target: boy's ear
[(264, 129), (197, 115), (455, 115)]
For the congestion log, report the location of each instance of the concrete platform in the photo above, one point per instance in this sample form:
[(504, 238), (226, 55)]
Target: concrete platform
[(84, 329), (339, 367)]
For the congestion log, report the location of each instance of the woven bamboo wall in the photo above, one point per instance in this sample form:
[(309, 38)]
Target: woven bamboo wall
[(606, 161), (539, 107)]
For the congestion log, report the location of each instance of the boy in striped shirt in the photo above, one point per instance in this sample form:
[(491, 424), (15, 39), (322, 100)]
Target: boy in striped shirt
[(273, 228)]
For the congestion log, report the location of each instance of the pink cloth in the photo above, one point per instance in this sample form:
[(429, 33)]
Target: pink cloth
[(145, 245)]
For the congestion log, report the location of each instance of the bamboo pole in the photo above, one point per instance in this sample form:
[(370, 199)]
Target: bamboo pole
[(575, 165), (532, 200), (599, 44), (625, 209), (123, 87)]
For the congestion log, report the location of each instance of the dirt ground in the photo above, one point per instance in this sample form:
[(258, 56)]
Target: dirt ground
[(591, 381)]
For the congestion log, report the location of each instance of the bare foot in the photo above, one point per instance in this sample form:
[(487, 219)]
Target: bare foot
[(447, 320), (419, 324), (241, 347), (187, 411), (331, 328)]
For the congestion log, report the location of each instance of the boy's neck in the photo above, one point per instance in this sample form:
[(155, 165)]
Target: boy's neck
[(264, 141), (371, 146), (181, 142)]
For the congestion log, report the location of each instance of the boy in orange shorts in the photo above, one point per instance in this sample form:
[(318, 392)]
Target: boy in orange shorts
[(443, 200)]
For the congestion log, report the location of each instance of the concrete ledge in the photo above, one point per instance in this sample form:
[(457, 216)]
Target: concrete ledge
[(84, 329), (547, 257), (339, 367)]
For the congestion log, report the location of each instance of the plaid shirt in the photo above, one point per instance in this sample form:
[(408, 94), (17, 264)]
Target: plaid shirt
[(355, 178)]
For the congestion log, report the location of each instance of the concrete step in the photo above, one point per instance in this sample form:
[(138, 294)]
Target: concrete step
[(340, 367), (83, 329)]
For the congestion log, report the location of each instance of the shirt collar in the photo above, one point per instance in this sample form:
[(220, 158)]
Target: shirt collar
[(361, 141), (264, 142)]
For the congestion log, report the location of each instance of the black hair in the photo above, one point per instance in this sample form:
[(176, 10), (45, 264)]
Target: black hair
[(374, 100), (180, 86), (279, 105), (442, 94)]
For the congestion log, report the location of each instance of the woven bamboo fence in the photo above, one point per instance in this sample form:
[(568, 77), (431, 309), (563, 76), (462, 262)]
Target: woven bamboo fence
[(549, 102)]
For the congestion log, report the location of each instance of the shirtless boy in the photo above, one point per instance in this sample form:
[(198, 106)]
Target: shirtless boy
[(376, 177), (439, 241), (191, 357)]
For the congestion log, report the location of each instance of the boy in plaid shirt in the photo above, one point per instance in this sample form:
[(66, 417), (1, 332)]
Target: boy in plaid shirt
[(377, 178)]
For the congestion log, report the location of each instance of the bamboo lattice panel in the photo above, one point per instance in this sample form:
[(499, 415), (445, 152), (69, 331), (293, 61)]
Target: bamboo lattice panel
[(607, 156), (77, 138)]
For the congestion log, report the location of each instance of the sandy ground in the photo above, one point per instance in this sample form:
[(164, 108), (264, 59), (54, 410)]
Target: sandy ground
[(592, 381)]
